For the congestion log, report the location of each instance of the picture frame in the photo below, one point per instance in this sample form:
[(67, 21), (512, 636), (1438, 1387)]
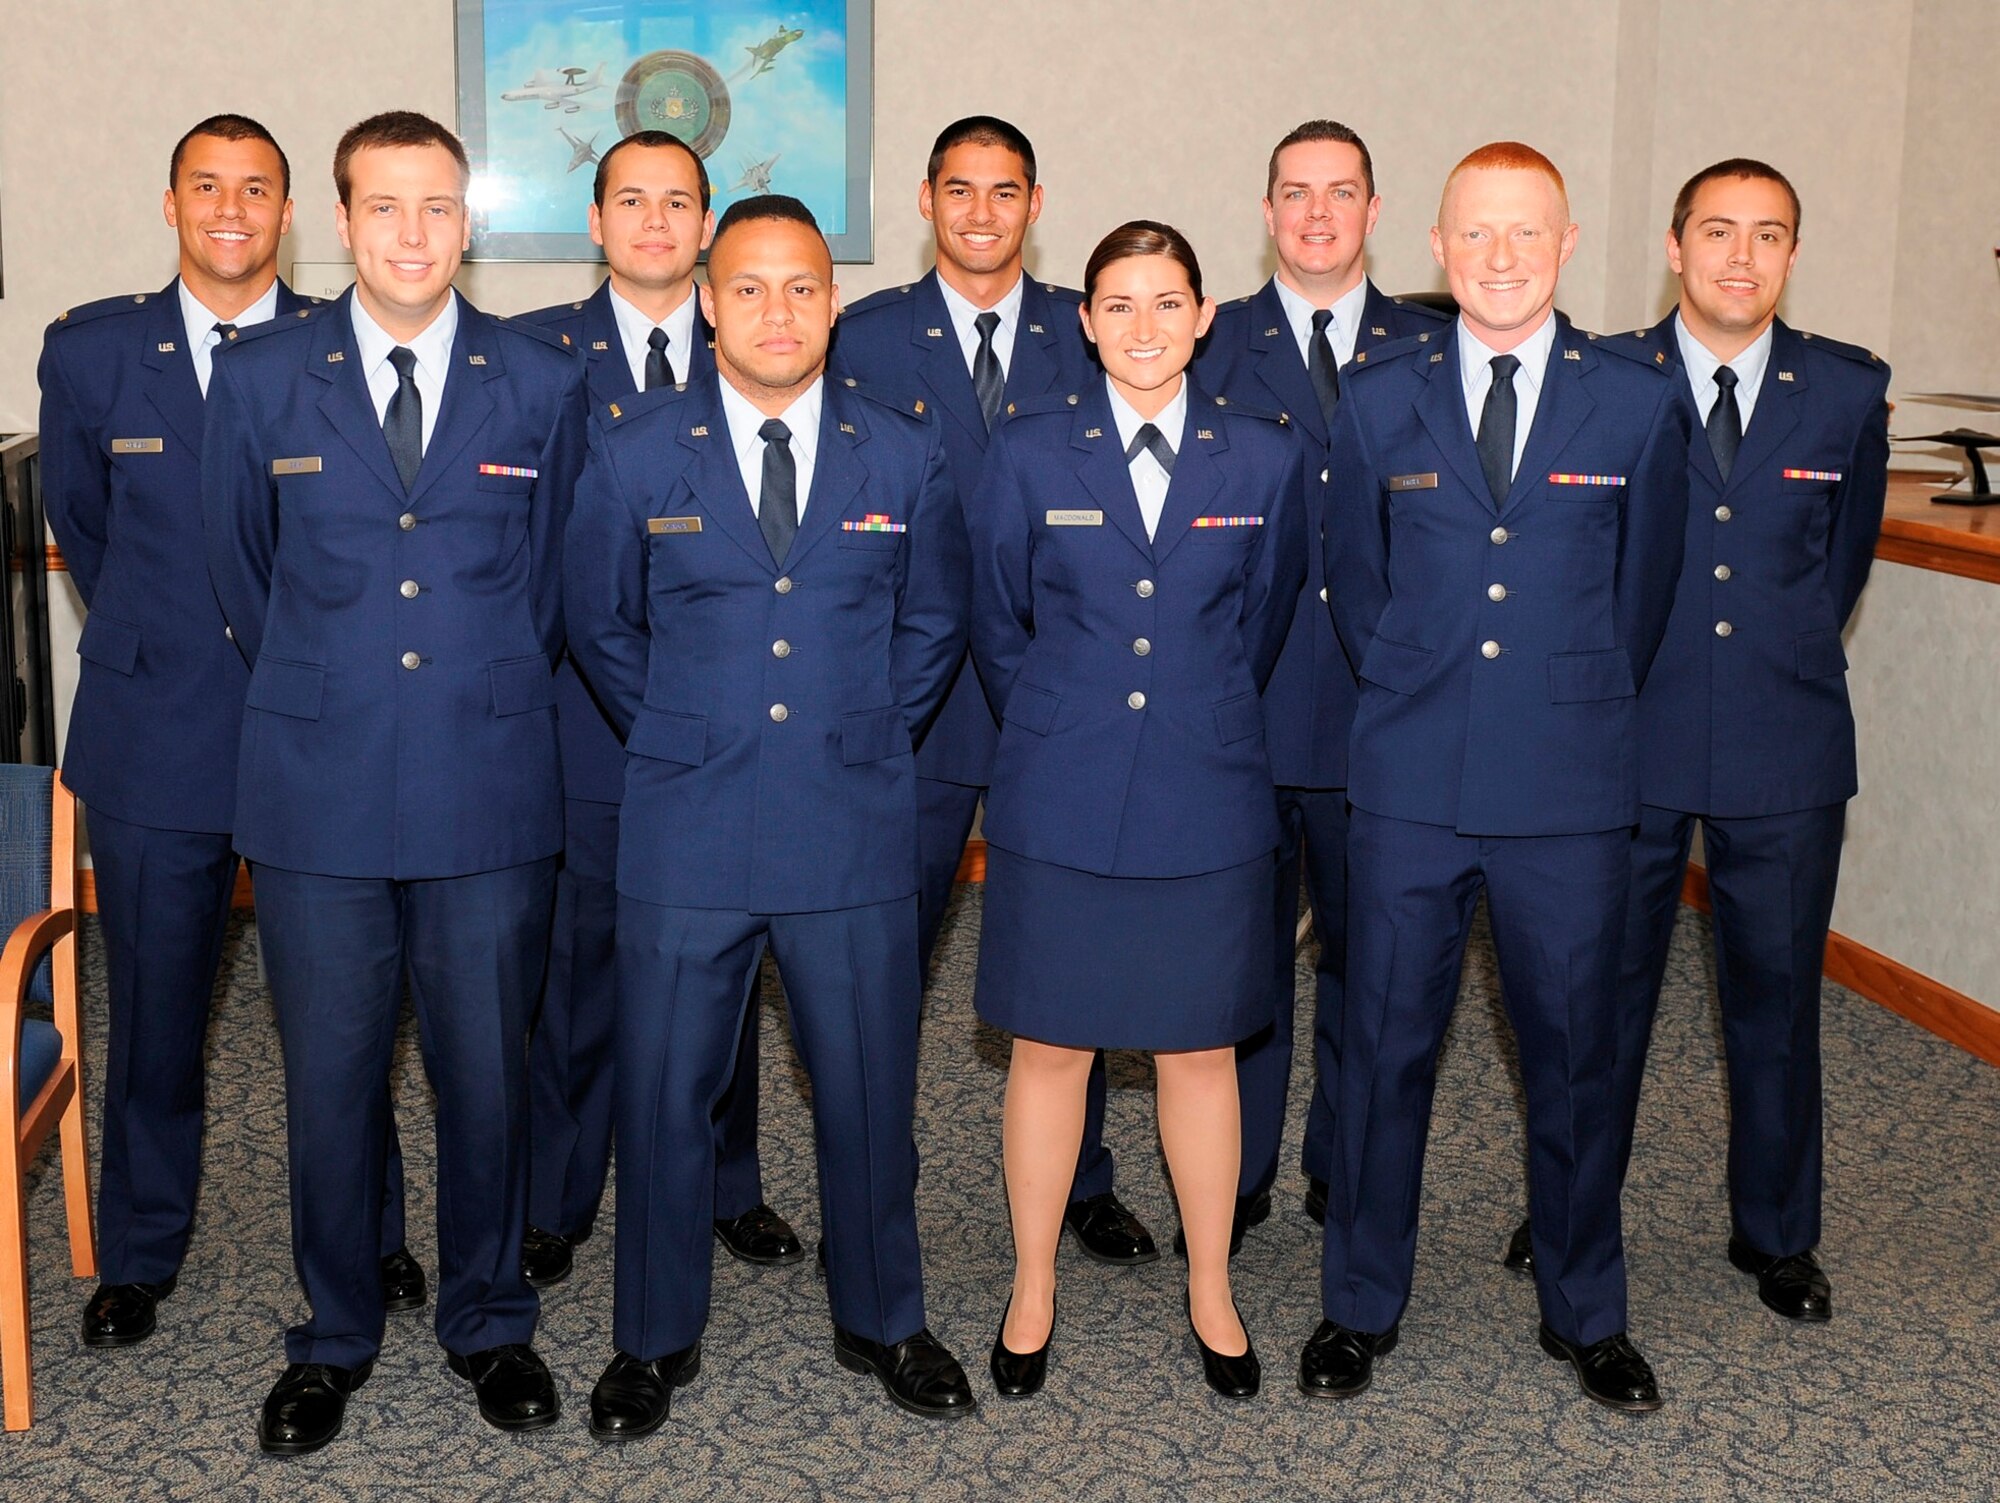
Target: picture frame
[(775, 95)]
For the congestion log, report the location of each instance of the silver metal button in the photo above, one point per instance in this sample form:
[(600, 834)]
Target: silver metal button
[(1496, 592), (1499, 535), (781, 648), (1322, 593), (1723, 514), (229, 633), (1723, 628), (1722, 571), (780, 714), (1145, 589), (784, 584), (1136, 700), (407, 521), (411, 660), (1323, 474), (1142, 647), (1489, 649), (408, 589)]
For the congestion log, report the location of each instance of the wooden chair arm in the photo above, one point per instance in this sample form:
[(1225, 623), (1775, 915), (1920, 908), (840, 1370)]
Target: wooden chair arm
[(33, 936)]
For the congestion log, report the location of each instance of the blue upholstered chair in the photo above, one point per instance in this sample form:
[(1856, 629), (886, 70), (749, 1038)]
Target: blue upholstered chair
[(41, 1059)]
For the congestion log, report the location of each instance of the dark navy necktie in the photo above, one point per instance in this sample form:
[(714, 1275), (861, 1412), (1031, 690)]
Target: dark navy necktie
[(403, 423), (778, 502), (1497, 421), (1725, 421), (658, 372), (1322, 367), (1154, 443), (988, 380)]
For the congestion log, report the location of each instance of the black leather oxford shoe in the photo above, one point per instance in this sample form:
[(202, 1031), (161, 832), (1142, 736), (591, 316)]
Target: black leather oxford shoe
[(514, 1387), (1338, 1363), (1795, 1286), (1520, 1254), (546, 1257), (916, 1372), (1108, 1232), (403, 1286), (120, 1314), (1251, 1210), (632, 1397), (1611, 1371), (760, 1235), (306, 1406)]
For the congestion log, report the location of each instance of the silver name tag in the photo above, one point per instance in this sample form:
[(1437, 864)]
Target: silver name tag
[(137, 446), (1074, 519), (309, 465)]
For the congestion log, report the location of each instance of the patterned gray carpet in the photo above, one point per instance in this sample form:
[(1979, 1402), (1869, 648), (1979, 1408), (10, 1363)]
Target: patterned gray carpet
[(1893, 1400)]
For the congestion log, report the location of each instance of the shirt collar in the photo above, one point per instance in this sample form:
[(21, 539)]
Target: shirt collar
[(964, 315), (1702, 363), (802, 417), (1475, 359), (1346, 311), (634, 327), (200, 320), (432, 347), (1172, 421)]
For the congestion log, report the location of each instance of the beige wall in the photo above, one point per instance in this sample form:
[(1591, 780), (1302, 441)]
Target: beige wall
[(1880, 109)]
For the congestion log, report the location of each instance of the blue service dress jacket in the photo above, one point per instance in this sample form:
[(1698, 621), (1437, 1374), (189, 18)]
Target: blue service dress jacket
[(400, 719), (1128, 671), (1501, 648), (593, 760), (159, 699), (901, 340), (1251, 356), (770, 714), (1745, 713)]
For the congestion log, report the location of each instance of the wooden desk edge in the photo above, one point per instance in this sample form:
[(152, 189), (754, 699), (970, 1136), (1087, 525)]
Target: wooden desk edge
[(1944, 539)]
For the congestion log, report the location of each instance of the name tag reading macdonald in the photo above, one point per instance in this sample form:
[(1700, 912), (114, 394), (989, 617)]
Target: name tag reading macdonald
[(673, 524), (137, 446), (1073, 519), (307, 465), (1428, 481)]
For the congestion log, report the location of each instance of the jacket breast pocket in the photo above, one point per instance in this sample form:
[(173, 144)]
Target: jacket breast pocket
[(1579, 677), (286, 688), (871, 542), (522, 684), (1398, 668), (668, 736), (1238, 718), (1032, 709), (1821, 655), (109, 643), (510, 485), (871, 735)]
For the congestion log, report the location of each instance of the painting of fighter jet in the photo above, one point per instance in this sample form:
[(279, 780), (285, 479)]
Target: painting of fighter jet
[(557, 89), (580, 152), (757, 175), (766, 52)]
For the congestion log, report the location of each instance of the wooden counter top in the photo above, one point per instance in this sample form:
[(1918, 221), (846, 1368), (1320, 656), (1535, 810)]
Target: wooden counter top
[(1962, 540)]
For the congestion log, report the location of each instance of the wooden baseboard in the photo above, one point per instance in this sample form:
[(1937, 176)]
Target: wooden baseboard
[(1951, 1015), (86, 890), (972, 865)]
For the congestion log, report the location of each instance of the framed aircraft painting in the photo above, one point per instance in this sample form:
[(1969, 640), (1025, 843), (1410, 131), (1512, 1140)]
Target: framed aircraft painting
[(777, 96)]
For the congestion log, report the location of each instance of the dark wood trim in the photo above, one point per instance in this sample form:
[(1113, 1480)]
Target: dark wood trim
[(972, 865)]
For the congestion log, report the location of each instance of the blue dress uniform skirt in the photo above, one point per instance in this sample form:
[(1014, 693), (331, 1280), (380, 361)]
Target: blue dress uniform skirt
[(1069, 957)]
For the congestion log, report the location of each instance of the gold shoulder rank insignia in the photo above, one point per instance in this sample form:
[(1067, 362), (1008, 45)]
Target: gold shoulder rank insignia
[(919, 407), (615, 411), (1360, 357), (1659, 357)]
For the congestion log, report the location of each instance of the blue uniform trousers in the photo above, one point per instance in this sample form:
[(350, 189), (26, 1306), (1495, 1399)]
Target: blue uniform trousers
[(945, 812), (1312, 844), (852, 985), (1771, 881), (1557, 906), (163, 906), (337, 950)]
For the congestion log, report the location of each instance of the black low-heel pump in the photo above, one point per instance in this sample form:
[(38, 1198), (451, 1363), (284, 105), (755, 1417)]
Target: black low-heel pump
[(1017, 1375), (1233, 1377)]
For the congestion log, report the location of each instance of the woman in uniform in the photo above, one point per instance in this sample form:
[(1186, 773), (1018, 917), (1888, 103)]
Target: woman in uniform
[(1138, 549)]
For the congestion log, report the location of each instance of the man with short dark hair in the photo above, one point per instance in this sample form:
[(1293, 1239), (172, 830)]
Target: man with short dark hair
[(642, 329), (971, 336), (1284, 347), (152, 741), (386, 483), (766, 586)]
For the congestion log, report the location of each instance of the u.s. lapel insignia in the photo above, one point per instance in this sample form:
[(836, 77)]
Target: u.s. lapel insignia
[(1437, 359), (475, 359), (1272, 332), (600, 344), (1572, 354), (166, 347), (334, 357), (1784, 375), (700, 430), (935, 333), (1378, 332), (1093, 433), (1036, 329), (1204, 433), (847, 427)]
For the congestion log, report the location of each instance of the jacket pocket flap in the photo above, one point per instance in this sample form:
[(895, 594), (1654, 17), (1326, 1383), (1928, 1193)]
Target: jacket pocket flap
[(1575, 677), (667, 736), (522, 684), (1397, 667), (109, 643), (1239, 718), (286, 688), (1032, 709), (871, 735), (1821, 655)]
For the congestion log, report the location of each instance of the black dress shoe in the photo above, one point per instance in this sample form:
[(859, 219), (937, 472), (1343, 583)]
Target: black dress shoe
[(1520, 1254), (1237, 1377), (1795, 1286), (1611, 1371), (120, 1314), (1338, 1363), (632, 1397), (1316, 1199), (918, 1373), (306, 1406), (1019, 1374), (1251, 1210), (546, 1257), (403, 1285), (514, 1387), (1108, 1232), (760, 1235)]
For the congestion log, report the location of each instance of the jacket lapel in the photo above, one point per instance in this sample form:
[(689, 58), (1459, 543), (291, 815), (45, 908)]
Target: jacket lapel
[(608, 375), (838, 473), (1700, 455), (1278, 365), (170, 382), (1197, 473), (1102, 467), (941, 360), (1441, 408), (335, 359), (475, 360), (1035, 366), (1777, 411), (1564, 405), (712, 475)]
